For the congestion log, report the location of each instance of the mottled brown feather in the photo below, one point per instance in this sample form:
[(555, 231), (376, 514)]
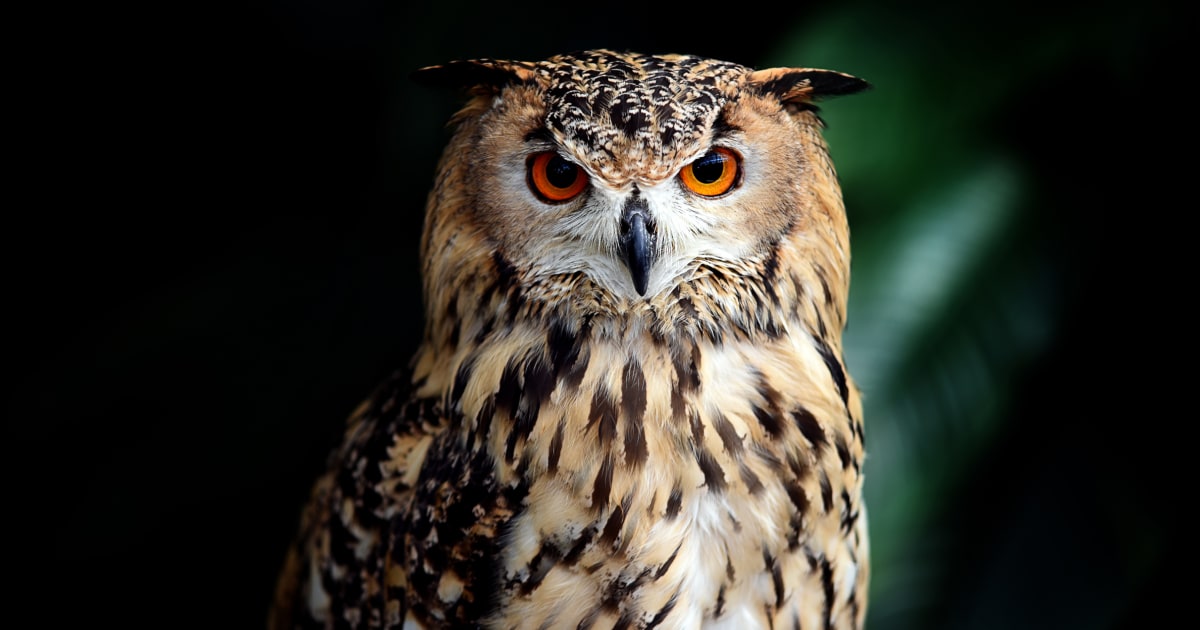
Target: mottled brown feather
[(566, 451)]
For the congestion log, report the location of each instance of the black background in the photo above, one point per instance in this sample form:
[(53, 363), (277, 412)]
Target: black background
[(213, 258)]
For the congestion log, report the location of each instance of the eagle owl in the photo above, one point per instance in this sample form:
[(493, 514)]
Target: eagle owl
[(629, 407)]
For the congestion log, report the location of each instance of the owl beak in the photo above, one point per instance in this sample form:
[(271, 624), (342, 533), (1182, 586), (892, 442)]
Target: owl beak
[(637, 241)]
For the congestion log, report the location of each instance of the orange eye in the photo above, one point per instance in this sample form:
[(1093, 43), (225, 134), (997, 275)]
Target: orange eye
[(715, 173), (555, 179)]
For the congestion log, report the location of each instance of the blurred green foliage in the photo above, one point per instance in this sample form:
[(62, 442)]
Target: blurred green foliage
[(959, 287)]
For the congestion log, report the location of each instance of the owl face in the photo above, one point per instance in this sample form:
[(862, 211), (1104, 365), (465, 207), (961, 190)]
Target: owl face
[(638, 171)]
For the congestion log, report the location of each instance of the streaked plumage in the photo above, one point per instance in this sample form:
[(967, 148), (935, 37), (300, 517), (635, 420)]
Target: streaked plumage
[(629, 408)]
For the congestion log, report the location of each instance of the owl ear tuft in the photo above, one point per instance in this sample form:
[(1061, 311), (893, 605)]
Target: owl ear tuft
[(804, 85), (476, 75)]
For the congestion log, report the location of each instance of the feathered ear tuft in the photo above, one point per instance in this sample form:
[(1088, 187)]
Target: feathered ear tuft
[(476, 75), (804, 85)]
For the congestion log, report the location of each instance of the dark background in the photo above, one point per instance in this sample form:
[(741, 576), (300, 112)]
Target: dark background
[(213, 259)]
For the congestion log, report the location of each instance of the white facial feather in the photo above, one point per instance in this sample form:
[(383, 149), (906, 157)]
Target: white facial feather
[(586, 237)]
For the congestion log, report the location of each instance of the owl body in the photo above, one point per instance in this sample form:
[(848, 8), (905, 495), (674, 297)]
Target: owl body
[(629, 408)]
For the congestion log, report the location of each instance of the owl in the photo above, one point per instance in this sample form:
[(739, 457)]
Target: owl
[(629, 407)]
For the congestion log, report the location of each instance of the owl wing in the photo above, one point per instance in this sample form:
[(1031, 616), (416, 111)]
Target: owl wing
[(404, 526), (336, 572)]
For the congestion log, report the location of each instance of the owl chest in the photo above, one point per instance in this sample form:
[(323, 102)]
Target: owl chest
[(654, 483), (669, 548)]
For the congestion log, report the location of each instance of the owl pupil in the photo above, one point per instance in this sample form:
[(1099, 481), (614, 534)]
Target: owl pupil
[(709, 168), (561, 173)]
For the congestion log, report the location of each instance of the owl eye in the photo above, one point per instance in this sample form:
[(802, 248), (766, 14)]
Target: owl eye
[(555, 179), (715, 173)]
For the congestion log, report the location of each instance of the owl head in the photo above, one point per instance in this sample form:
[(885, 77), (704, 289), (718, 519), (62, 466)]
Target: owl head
[(621, 178)]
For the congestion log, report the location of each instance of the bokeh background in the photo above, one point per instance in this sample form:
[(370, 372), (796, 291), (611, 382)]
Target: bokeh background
[(222, 263)]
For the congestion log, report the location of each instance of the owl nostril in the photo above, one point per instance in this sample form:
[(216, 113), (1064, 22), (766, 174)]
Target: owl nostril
[(635, 206), (647, 223)]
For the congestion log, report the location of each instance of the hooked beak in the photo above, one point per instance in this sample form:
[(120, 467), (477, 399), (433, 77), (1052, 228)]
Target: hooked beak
[(637, 241)]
